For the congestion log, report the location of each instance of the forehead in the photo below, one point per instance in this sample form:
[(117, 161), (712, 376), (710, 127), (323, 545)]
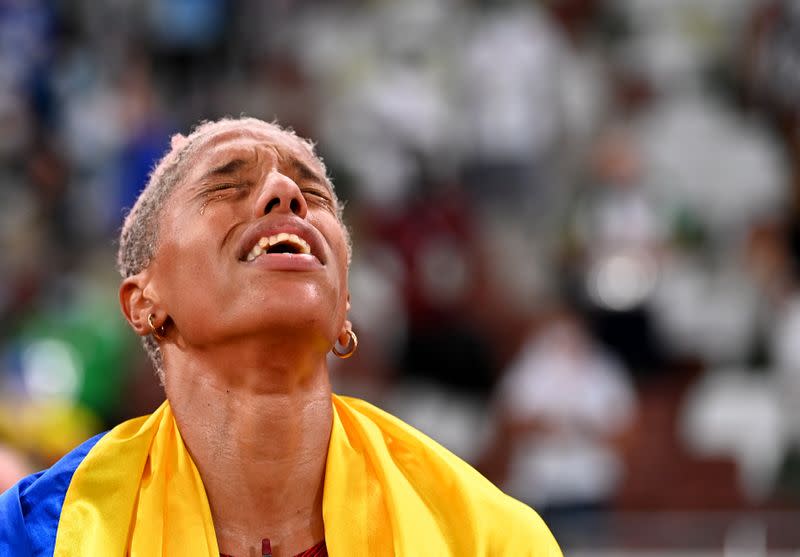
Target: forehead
[(246, 140)]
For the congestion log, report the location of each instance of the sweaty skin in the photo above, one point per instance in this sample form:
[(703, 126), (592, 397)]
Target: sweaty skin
[(246, 341)]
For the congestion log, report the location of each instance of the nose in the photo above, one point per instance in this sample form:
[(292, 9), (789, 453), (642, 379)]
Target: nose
[(280, 194)]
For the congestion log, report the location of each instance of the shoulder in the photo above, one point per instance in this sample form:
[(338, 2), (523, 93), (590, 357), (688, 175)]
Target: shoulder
[(29, 511), (457, 494)]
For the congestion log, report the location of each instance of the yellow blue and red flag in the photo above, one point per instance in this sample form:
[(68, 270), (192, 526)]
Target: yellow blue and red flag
[(389, 491)]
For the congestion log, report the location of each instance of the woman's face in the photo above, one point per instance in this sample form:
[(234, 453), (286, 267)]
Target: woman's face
[(250, 243)]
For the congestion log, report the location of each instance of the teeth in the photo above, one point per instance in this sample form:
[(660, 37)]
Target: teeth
[(264, 244)]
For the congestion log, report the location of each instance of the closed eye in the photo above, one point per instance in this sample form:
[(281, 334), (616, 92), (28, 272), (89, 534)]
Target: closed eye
[(315, 193), (318, 196), (220, 187), (224, 187), (219, 192)]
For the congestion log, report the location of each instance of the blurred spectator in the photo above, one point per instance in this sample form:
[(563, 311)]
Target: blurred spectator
[(619, 235), (738, 415), (562, 408)]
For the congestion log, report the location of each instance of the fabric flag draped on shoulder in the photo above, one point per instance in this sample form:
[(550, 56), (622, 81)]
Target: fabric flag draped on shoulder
[(389, 490)]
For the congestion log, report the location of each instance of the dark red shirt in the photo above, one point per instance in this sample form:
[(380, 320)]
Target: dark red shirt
[(319, 550)]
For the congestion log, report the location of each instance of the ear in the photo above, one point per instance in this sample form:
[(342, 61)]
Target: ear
[(135, 299), (344, 337)]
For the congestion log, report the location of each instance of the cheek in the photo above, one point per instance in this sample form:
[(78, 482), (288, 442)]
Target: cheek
[(338, 242), (344, 270), (188, 272), (193, 249)]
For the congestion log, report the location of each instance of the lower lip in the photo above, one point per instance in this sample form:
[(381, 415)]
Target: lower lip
[(286, 262)]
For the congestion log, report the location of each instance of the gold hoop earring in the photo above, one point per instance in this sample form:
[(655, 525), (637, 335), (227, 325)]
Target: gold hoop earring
[(350, 347), (159, 333)]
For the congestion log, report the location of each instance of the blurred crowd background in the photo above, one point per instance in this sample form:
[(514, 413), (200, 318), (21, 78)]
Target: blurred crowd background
[(576, 228)]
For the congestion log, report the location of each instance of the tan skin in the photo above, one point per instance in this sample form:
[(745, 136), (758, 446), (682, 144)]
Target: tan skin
[(246, 342)]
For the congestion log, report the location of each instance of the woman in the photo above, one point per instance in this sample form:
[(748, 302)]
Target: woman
[(234, 263)]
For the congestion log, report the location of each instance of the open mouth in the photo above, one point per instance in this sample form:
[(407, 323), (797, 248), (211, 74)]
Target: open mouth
[(279, 243)]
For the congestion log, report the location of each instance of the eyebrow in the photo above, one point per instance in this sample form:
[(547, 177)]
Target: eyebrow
[(306, 172)]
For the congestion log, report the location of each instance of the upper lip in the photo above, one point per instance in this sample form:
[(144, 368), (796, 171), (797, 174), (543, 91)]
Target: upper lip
[(293, 225)]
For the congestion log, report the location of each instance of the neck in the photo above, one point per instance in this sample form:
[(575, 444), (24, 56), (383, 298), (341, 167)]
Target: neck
[(257, 421)]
